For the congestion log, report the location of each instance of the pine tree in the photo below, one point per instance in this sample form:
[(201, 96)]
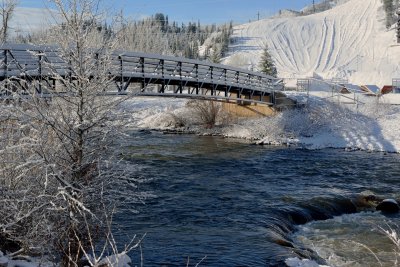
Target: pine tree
[(267, 64), (215, 56)]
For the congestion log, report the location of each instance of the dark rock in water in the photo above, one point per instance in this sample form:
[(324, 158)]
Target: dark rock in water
[(284, 243), (367, 200), (388, 206)]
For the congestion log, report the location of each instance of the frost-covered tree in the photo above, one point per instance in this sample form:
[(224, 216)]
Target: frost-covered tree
[(7, 8), (266, 64), (56, 153)]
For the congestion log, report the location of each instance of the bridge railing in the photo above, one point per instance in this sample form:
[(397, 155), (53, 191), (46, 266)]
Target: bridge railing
[(201, 71)]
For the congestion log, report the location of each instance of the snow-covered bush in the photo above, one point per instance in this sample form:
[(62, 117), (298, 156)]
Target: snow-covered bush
[(207, 112)]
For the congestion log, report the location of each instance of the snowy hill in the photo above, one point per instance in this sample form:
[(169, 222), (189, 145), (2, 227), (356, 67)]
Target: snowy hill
[(348, 41)]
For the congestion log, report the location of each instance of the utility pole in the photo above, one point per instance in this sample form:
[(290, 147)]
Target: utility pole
[(313, 4), (258, 16)]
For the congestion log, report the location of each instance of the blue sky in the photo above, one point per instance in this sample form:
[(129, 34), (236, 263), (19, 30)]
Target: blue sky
[(207, 11)]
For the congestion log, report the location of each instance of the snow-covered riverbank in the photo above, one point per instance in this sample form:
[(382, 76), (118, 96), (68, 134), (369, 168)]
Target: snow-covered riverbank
[(321, 124)]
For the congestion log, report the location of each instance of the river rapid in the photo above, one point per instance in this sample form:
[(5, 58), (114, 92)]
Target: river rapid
[(224, 202)]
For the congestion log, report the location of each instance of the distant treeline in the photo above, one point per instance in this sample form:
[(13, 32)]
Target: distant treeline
[(156, 34)]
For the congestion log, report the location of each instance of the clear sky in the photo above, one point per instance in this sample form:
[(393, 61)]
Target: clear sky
[(207, 11)]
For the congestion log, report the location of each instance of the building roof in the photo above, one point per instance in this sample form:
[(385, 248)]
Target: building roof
[(371, 89)]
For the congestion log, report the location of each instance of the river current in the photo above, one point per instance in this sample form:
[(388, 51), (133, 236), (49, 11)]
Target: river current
[(223, 202)]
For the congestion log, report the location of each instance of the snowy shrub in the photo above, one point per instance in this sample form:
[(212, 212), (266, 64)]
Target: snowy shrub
[(237, 60), (207, 112)]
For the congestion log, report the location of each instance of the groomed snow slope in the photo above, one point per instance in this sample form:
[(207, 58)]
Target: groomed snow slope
[(348, 41)]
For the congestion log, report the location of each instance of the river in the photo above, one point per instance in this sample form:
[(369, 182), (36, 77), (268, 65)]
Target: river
[(224, 202)]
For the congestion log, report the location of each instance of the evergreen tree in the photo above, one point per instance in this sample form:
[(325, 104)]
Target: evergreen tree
[(215, 56), (267, 64)]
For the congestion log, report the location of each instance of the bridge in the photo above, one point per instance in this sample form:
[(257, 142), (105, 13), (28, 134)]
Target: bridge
[(140, 74)]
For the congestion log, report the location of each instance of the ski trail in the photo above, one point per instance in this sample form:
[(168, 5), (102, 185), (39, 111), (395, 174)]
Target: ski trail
[(322, 45), (331, 48)]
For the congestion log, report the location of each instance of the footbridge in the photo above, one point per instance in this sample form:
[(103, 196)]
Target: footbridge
[(140, 74)]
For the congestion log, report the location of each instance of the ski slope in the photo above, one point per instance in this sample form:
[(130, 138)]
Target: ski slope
[(349, 41)]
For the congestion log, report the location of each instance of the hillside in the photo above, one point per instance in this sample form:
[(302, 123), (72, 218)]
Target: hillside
[(348, 41)]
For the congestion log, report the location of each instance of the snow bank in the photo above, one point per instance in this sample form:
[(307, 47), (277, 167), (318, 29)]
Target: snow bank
[(333, 44), (327, 124)]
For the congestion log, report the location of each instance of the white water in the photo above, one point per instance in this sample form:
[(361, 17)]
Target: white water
[(356, 240)]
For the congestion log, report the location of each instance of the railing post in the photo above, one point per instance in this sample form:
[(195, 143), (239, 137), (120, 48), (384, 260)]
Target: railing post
[(212, 80), (196, 66), (237, 83), (180, 76), (40, 72), (121, 73), (162, 76), (143, 83), (225, 82)]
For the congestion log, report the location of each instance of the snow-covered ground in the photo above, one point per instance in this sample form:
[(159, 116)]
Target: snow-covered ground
[(349, 41)]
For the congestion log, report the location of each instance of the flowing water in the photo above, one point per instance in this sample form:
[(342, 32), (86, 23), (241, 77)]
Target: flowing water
[(230, 203)]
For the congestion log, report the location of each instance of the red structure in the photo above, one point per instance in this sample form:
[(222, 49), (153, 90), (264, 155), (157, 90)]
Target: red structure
[(387, 89)]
